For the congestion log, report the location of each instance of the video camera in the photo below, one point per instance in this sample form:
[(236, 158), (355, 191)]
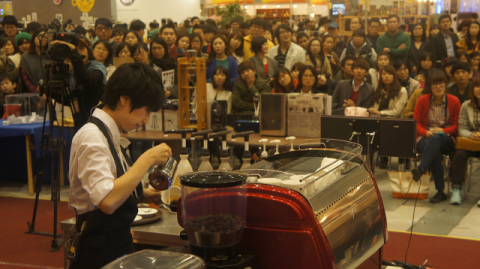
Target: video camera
[(60, 52)]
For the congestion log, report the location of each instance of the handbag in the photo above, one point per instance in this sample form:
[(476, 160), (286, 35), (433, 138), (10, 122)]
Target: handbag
[(467, 144), (403, 185), (356, 111)]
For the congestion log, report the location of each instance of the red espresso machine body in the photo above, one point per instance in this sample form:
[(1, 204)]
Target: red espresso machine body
[(335, 221)]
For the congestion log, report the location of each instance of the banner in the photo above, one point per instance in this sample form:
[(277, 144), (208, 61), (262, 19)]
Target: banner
[(224, 2), (319, 2), (283, 1)]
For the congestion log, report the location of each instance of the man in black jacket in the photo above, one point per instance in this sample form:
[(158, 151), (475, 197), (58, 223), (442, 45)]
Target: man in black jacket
[(443, 44)]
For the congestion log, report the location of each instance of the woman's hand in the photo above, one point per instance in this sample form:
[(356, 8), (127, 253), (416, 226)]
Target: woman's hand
[(151, 196), (429, 134), (475, 136), (322, 80), (374, 111), (72, 47), (168, 94), (159, 154), (332, 61), (437, 130)]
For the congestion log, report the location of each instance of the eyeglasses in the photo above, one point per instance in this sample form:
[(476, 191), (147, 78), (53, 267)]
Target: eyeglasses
[(139, 53), (101, 29), (438, 86)]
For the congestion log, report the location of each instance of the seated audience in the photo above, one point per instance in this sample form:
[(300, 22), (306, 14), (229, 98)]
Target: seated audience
[(403, 72), (383, 60), (265, 66), (447, 67), (461, 87), (462, 56), (315, 57), (332, 57), (283, 81), (474, 60), (469, 127), (23, 42), (412, 101), (308, 80), (295, 71), (219, 57), (360, 47), (219, 88), (437, 115), (235, 46), (390, 96), (346, 72), (356, 91), (245, 88), (470, 42), (286, 53), (426, 61)]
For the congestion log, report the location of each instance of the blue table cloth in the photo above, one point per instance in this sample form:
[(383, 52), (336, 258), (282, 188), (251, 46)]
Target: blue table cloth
[(34, 129)]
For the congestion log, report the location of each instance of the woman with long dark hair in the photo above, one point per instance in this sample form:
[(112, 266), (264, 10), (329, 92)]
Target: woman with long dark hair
[(419, 44), (33, 62), (437, 115), (383, 59), (182, 41), (470, 42), (283, 82), (426, 60), (433, 31), (390, 97), (235, 46), (316, 57), (196, 43), (403, 68), (308, 80), (265, 66), (328, 44), (159, 55), (474, 61), (219, 88), (219, 56), (102, 52)]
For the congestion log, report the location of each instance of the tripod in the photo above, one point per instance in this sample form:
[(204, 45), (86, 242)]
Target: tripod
[(55, 87)]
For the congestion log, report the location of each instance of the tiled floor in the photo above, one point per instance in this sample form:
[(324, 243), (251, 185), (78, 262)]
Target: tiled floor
[(438, 219)]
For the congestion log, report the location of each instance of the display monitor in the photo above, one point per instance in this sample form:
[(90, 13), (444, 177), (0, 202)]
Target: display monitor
[(338, 9)]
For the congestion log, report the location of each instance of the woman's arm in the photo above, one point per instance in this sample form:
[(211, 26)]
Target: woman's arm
[(463, 125), (419, 115), (398, 105)]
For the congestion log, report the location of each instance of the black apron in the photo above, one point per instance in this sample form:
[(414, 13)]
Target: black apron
[(107, 237)]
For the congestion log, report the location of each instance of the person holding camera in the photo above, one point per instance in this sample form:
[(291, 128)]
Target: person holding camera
[(86, 79)]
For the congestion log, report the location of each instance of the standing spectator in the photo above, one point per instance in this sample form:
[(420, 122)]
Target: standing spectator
[(269, 35), (219, 57), (355, 24), (33, 62), (474, 61), (403, 73), (235, 46), (132, 38), (462, 29), (323, 25), (182, 41), (383, 60), (283, 81), (427, 61), (8, 85), (209, 33), (295, 71), (265, 67), (302, 41), (124, 50), (257, 28), (443, 45), (346, 72), (103, 31), (315, 57), (461, 87), (395, 42), (373, 24), (32, 27), (102, 53), (275, 24), (390, 97), (219, 88), (433, 31), (418, 46), (234, 25), (79, 30), (23, 42), (198, 29), (194, 21), (245, 28), (437, 115), (10, 26), (338, 44), (11, 50), (330, 54), (470, 42), (354, 92), (169, 34), (245, 88), (447, 67), (196, 44), (469, 127), (139, 27), (360, 47), (286, 53), (118, 34)]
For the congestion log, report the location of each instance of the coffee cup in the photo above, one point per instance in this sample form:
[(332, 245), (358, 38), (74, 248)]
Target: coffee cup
[(171, 194)]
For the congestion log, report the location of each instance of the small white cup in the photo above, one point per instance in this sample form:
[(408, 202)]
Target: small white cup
[(293, 184), (171, 194)]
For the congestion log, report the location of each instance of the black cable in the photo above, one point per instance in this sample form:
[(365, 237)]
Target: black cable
[(413, 219)]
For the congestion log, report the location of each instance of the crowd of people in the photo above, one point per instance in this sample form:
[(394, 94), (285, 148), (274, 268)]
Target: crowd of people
[(430, 75)]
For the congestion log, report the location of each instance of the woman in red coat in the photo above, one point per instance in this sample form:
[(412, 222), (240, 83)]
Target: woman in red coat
[(437, 123)]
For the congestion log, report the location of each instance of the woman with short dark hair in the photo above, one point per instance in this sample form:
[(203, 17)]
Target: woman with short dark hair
[(265, 66), (437, 115), (308, 79), (283, 82), (315, 57), (390, 97)]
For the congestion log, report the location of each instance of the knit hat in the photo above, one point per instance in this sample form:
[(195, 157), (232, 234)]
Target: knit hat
[(153, 33), (21, 36)]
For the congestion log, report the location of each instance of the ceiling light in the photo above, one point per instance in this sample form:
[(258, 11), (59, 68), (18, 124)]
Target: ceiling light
[(313, 5), (246, 7), (312, 15), (264, 6), (295, 6), (278, 6)]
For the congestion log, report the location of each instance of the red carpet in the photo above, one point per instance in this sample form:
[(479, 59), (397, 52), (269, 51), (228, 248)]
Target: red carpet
[(21, 250)]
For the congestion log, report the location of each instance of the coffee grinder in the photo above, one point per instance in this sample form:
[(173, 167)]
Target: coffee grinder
[(213, 213)]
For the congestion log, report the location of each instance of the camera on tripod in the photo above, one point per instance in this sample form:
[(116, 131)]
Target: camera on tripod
[(61, 52)]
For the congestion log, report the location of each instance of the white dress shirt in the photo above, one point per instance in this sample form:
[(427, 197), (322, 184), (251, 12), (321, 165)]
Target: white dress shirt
[(92, 167)]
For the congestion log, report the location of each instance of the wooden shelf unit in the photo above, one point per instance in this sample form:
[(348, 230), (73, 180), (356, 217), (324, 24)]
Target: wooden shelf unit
[(342, 20), (198, 65)]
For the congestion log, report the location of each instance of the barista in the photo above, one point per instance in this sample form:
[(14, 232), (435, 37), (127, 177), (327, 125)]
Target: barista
[(104, 185)]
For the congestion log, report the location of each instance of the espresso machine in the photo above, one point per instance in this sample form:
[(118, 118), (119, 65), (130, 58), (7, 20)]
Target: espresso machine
[(213, 213)]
